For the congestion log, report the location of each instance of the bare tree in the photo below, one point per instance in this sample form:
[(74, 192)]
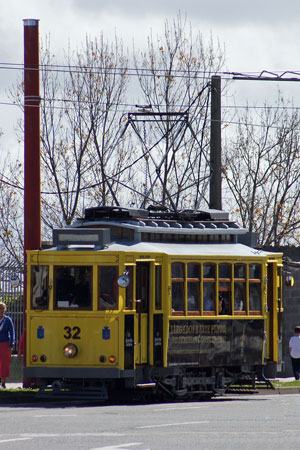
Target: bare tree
[(79, 134), (11, 211), (262, 171), (174, 75)]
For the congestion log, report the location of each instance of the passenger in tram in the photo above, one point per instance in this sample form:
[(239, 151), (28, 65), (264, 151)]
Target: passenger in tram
[(208, 303), (83, 290), (65, 285), (223, 305)]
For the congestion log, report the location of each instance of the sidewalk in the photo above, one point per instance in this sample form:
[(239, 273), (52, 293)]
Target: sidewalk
[(14, 385)]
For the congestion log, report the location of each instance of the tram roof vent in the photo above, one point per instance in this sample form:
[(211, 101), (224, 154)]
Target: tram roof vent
[(114, 212), (63, 237)]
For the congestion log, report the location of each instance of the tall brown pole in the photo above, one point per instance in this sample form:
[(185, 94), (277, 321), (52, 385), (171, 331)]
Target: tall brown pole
[(215, 201), (32, 183)]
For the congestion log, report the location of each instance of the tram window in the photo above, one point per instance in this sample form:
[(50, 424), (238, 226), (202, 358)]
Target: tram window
[(108, 287), (225, 288), (225, 271), (178, 270), (255, 288), (178, 288), (64, 286), (209, 270), (177, 297), (209, 288), (224, 298), (240, 297), (73, 287), (158, 285), (254, 297), (193, 287), (40, 287), (208, 297), (83, 287), (129, 289), (240, 271), (254, 271)]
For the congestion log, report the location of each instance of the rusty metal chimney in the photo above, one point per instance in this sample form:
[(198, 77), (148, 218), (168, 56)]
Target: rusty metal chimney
[(32, 177), (32, 183)]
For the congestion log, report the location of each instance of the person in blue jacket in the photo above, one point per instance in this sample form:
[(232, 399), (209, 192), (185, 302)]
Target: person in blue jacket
[(7, 341)]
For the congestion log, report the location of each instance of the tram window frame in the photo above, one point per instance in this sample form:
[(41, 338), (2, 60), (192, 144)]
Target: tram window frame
[(255, 282), (225, 289), (40, 290), (193, 289), (209, 271), (178, 285), (240, 289), (129, 290), (111, 299), (158, 287), (75, 275)]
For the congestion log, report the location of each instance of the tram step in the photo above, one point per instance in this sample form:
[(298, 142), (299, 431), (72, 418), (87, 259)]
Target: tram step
[(64, 392), (145, 385)]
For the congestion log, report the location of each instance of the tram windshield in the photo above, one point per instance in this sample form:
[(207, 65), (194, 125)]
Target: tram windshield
[(73, 287), (108, 287), (39, 287)]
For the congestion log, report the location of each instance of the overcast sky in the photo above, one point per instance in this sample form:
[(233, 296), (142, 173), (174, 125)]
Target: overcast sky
[(257, 35)]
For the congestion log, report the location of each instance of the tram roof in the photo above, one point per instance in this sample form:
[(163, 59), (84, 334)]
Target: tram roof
[(176, 249), (190, 249)]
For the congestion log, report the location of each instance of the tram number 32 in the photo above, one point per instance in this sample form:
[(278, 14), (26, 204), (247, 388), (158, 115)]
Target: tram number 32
[(72, 333)]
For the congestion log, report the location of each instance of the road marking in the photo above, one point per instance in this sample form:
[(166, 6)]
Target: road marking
[(55, 415), (55, 435), (14, 440), (171, 408), (172, 424), (119, 447)]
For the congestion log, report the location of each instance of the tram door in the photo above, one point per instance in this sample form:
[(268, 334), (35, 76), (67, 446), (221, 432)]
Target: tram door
[(142, 311), (273, 313)]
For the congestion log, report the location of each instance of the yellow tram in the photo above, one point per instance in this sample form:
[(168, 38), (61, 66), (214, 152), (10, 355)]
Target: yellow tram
[(134, 298)]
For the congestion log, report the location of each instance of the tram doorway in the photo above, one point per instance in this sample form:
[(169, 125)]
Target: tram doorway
[(274, 350), (142, 310)]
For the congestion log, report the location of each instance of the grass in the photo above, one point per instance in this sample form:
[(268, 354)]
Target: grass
[(293, 383)]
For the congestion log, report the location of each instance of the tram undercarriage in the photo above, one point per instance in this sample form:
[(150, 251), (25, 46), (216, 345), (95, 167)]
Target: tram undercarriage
[(160, 383)]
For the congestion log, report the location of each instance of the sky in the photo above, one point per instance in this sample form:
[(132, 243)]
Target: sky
[(257, 35)]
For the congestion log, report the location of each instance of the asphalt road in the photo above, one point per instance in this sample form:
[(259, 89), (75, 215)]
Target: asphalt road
[(236, 422)]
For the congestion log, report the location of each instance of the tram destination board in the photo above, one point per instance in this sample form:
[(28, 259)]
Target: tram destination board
[(215, 342)]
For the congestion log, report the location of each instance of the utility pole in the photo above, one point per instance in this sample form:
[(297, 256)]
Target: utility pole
[(215, 195)]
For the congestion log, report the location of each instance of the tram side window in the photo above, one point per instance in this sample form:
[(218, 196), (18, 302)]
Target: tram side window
[(40, 287), (255, 288), (129, 289), (108, 287), (178, 288), (73, 286), (240, 297), (209, 287), (158, 286), (225, 288), (193, 287)]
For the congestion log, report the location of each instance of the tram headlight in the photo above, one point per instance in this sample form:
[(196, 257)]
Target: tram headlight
[(112, 359), (70, 350), (34, 358)]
